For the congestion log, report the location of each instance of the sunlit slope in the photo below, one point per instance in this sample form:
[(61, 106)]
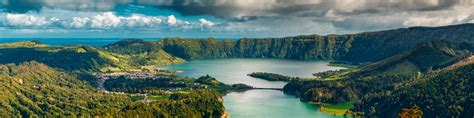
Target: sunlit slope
[(81, 57), (403, 73), (32, 89)]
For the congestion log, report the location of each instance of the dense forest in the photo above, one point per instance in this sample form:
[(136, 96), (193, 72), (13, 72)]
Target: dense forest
[(32, 89), (403, 81), (82, 58), (272, 76), (354, 48), (447, 94), (127, 85)]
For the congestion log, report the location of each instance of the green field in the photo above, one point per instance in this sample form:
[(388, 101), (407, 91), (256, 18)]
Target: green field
[(337, 109), (158, 97), (136, 97)]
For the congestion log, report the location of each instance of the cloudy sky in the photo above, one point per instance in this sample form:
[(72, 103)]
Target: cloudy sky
[(221, 18)]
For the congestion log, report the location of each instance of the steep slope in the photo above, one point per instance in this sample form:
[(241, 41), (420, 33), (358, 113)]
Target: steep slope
[(132, 46), (87, 58), (198, 48), (300, 47), (83, 58), (139, 52), (383, 77), (356, 48), (426, 57), (448, 94), (23, 44), (374, 46), (33, 89)]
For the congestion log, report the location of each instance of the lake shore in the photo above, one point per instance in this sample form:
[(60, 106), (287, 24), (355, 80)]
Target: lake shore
[(340, 109)]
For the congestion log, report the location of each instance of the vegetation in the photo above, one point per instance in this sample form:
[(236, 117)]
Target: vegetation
[(138, 53), (449, 93), (123, 84), (414, 112), (338, 109), (221, 87), (343, 64), (272, 76), (351, 48), (386, 87), (83, 58), (33, 89), (23, 44), (159, 86), (301, 47)]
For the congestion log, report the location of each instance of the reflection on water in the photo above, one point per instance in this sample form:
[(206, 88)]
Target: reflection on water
[(258, 103), (231, 71)]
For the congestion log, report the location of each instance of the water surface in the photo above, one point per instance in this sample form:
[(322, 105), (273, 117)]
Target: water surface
[(258, 103)]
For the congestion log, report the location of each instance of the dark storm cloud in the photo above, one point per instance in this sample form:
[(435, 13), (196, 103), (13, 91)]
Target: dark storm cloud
[(239, 8), (21, 6)]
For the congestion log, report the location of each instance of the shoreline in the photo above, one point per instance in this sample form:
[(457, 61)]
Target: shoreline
[(340, 109), (225, 115)]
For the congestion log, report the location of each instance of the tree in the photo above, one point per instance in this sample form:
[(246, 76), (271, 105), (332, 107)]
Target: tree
[(413, 112)]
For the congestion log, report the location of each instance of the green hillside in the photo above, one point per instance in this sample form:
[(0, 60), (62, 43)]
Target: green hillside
[(139, 52), (447, 94), (384, 77), (33, 89), (23, 44), (425, 58), (354, 48), (83, 58)]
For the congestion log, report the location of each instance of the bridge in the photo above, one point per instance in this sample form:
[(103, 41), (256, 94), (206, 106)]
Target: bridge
[(278, 89)]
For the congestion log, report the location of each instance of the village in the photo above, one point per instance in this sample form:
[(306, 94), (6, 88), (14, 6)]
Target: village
[(174, 83)]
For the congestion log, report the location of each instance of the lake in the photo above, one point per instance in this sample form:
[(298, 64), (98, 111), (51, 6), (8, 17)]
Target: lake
[(258, 103)]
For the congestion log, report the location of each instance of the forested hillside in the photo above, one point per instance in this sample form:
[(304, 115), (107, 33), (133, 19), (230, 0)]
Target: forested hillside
[(32, 89), (357, 48), (447, 94), (386, 87), (301, 47), (84, 58), (137, 52)]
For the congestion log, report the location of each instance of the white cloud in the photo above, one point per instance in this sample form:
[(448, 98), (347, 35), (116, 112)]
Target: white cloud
[(109, 20), (204, 22), (172, 20), (426, 21), (100, 21), (24, 20), (141, 21), (78, 22), (105, 20)]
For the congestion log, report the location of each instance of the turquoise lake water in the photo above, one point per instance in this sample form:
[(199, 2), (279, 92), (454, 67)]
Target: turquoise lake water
[(258, 103)]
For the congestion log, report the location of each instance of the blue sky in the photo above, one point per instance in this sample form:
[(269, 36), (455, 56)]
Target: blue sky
[(220, 18)]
